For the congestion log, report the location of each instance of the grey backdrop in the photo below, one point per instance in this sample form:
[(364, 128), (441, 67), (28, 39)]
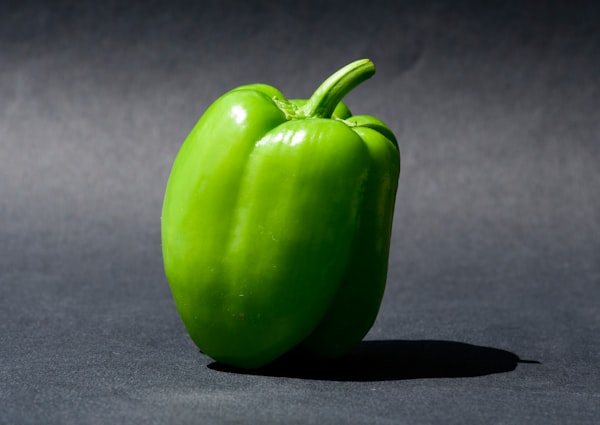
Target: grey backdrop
[(491, 314)]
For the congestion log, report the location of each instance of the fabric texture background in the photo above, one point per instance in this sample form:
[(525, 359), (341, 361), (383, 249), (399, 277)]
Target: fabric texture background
[(492, 309)]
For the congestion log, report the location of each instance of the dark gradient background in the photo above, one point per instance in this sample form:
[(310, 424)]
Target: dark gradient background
[(492, 311)]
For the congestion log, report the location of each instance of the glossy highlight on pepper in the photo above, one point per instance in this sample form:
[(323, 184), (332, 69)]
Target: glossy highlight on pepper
[(277, 220)]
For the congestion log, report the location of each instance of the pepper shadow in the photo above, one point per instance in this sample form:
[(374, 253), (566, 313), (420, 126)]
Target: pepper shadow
[(391, 360)]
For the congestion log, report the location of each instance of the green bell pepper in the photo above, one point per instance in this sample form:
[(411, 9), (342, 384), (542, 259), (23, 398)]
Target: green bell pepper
[(276, 222)]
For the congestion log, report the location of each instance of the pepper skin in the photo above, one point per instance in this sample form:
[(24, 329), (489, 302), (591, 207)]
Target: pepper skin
[(276, 222)]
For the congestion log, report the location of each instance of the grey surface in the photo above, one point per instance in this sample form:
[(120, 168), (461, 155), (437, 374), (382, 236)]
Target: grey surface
[(491, 314)]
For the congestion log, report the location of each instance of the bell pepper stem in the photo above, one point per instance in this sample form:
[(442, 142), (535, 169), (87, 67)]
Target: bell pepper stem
[(324, 100)]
